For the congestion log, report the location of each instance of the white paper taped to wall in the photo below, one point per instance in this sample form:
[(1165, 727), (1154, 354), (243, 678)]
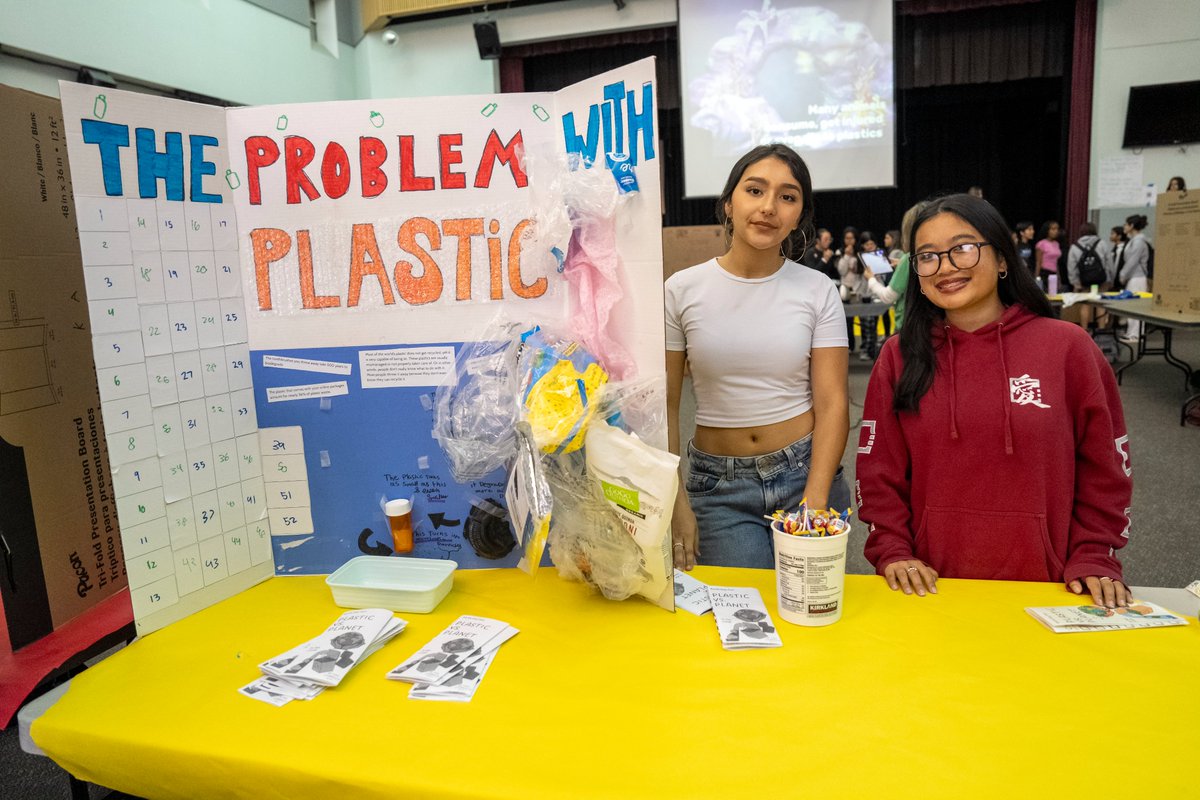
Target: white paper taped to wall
[(410, 366), (307, 365), (308, 391)]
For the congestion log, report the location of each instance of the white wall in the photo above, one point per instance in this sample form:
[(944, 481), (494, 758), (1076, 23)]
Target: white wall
[(1141, 42), (440, 57), (222, 48)]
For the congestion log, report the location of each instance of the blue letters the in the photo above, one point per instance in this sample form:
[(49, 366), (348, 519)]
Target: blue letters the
[(154, 166), (200, 168), (111, 138)]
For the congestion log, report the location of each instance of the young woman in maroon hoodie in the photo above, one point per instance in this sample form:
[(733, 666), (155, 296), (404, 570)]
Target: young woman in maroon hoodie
[(993, 443)]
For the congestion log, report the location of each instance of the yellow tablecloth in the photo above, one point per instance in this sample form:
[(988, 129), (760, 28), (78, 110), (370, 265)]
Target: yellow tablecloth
[(958, 695)]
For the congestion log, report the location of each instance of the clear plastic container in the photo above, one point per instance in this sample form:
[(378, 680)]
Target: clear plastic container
[(415, 585)]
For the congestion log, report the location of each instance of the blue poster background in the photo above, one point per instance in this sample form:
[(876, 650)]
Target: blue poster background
[(375, 439)]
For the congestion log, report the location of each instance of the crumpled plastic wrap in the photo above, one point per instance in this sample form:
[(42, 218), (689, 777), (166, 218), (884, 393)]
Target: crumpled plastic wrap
[(530, 503), (637, 406), (475, 408), (588, 541)]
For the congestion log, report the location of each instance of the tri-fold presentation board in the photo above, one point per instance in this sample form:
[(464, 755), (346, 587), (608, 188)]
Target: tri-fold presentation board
[(276, 292)]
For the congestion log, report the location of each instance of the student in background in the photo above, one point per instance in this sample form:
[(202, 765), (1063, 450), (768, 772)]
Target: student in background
[(1116, 253), (1136, 269), (820, 256), (868, 326), (1177, 184), (894, 292), (849, 275), (891, 243), (1047, 252), (766, 341), (1087, 266), (993, 442), (1024, 242)]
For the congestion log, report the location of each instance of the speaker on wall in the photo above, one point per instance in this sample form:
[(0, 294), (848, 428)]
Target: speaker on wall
[(488, 39)]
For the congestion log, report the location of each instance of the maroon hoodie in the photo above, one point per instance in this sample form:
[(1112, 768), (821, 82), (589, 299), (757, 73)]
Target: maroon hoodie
[(1016, 466)]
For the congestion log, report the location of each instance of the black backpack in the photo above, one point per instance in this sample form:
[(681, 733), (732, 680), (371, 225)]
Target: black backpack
[(1150, 261), (1091, 267)]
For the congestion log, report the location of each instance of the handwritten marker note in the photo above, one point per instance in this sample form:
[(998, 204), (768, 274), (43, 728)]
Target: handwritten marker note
[(117, 383), (191, 382), (193, 415), (208, 520), (160, 376), (220, 417), (128, 413), (290, 521), (142, 218), (118, 349), (148, 277), (259, 534), (155, 328), (204, 275), (105, 248), (199, 225), (237, 550), (101, 214), (224, 226), (113, 316), (149, 567), (281, 441), (137, 540), (168, 432), (229, 499), (109, 283), (177, 277), (254, 499), (212, 553), (202, 474), (237, 363), (181, 523), (172, 227), (175, 479), (188, 572), (182, 317), (225, 457), (153, 596), (229, 278), (245, 419), (249, 457), (208, 323), (137, 476)]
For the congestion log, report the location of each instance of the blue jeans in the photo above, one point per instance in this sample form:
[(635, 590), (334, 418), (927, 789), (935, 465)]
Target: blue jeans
[(730, 496)]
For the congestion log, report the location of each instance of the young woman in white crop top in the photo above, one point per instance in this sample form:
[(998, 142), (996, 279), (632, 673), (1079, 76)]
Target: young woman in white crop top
[(766, 342)]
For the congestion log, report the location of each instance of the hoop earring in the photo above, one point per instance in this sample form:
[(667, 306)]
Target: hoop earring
[(1004, 275)]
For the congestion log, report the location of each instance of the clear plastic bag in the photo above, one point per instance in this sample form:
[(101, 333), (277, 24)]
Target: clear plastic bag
[(530, 502), (588, 541), (475, 408), (559, 384), (638, 406)]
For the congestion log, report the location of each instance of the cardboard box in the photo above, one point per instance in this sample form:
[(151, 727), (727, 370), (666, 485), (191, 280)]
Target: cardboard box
[(1177, 253), (59, 522), (687, 246)]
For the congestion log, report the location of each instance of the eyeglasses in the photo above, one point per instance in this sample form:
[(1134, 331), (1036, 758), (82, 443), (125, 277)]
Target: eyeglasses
[(962, 256)]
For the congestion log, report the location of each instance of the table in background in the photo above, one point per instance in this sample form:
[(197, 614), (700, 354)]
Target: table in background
[(1155, 320), (961, 694)]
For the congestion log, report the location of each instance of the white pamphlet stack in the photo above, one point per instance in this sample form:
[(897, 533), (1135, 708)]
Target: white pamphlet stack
[(304, 671), (452, 665)]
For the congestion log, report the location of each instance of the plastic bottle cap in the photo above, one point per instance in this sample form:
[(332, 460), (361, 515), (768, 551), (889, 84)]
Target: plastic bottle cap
[(397, 508)]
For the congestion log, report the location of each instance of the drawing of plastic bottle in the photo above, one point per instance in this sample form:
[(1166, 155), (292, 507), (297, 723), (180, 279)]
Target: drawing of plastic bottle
[(100, 107), (377, 119), (232, 179), (489, 109), (281, 123), (541, 113)]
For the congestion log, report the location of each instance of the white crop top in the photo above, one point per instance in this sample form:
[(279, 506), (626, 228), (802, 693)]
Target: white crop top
[(749, 340)]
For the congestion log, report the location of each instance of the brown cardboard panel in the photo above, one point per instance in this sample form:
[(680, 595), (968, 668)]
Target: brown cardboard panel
[(687, 246), (49, 403), (1177, 252)]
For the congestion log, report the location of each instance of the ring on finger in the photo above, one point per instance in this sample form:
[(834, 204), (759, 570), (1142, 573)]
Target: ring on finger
[(913, 569), (1106, 578), (679, 544)]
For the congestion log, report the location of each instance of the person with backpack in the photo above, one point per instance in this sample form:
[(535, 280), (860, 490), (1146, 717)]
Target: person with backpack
[(1138, 268), (1087, 266)]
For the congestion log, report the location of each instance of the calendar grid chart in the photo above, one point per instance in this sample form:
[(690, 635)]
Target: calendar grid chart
[(172, 356)]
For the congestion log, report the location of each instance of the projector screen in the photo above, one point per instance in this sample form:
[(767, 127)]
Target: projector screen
[(814, 75)]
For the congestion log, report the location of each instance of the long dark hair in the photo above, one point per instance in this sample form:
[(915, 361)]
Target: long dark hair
[(799, 240), (921, 315)]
